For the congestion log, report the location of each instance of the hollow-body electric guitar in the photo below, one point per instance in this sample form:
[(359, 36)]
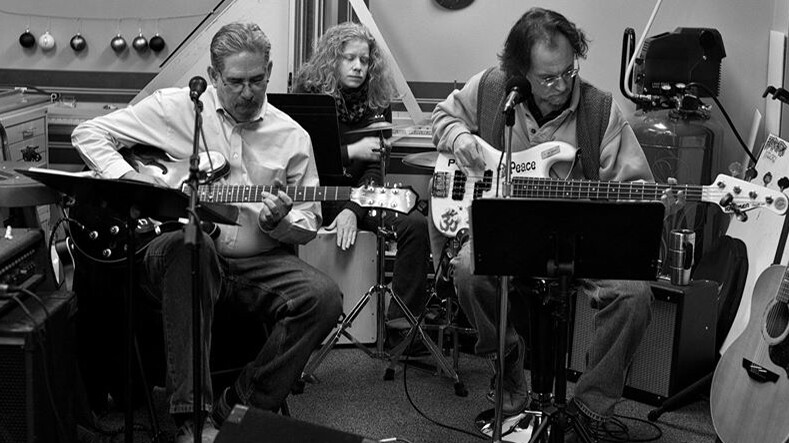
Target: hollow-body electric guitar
[(750, 387), (101, 234), (452, 191)]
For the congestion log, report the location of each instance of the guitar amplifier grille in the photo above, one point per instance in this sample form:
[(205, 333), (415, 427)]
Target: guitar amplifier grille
[(678, 347), (13, 383)]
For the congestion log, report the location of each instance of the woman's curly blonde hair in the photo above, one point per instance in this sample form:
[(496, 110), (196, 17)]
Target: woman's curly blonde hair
[(320, 72)]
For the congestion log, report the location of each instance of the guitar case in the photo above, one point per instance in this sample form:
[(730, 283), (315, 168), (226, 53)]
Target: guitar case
[(726, 263)]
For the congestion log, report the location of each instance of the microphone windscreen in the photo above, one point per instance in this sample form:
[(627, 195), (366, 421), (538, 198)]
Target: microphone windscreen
[(197, 86)]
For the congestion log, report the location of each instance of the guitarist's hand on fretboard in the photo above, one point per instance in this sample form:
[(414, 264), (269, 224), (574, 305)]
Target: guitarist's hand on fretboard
[(275, 207), (136, 176), (672, 201)]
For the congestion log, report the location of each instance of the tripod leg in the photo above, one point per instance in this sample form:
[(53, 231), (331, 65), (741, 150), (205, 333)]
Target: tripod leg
[(435, 351), (681, 398), (307, 373)]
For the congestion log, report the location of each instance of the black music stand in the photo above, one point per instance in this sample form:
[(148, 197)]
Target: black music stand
[(137, 200), (563, 240), (317, 114)]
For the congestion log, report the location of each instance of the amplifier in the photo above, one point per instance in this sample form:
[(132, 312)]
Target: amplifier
[(677, 349), (24, 263), (37, 370)]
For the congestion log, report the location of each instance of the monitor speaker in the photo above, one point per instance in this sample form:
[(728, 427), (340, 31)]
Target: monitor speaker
[(249, 425), (677, 349), (38, 371)]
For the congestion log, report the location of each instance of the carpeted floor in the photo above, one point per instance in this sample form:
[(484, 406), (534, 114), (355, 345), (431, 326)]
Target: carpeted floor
[(352, 396)]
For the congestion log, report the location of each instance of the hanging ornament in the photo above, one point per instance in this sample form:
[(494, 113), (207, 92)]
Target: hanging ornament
[(27, 39), (78, 42), (156, 43), (118, 44), (140, 43), (46, 41)]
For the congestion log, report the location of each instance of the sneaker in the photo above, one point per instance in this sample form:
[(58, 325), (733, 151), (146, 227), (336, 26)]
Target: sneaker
[(515, 393), (222, 407), (185, 433), (590, 426)]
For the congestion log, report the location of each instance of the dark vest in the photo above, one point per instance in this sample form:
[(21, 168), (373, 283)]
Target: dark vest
[(592, 118)]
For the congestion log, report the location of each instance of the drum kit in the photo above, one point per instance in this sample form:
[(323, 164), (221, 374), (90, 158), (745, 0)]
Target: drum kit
[(420, 160)]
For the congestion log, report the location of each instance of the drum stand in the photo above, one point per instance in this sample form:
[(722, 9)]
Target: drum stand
[(380, 290)]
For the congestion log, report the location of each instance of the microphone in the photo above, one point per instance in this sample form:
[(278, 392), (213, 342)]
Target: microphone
[(197, 86), (518, 88)]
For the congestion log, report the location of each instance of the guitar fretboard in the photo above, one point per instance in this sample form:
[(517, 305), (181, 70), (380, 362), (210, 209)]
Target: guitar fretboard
[(536, 187), (254, 193)]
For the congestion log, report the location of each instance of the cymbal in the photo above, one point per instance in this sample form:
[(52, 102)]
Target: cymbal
[(373, 127), (426, 160)]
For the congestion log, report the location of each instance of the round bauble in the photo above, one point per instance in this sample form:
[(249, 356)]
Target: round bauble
[(27, 40), (140, 43), (78, 43), (118, 44), (46, 41), (157, 43)]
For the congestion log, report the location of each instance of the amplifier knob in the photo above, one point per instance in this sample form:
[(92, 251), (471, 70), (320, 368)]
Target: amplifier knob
[(93, 235), (106, 253), (114, 230)]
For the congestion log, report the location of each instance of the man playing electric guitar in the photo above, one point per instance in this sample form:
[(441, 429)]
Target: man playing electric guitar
[(251, 264), (541, 55)]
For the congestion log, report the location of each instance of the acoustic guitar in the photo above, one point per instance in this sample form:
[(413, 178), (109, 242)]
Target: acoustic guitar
[(452, 191), (750, 388), (101, 234)]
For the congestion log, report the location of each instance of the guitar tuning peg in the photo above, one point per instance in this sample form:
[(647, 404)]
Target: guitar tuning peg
[(741, 216)]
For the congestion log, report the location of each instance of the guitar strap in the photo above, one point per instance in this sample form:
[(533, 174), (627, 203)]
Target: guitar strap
[(593, 111)]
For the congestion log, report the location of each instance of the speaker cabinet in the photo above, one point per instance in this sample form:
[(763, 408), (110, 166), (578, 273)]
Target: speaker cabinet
[(354, 272), (677, 349), (249, 425), (37, 369)]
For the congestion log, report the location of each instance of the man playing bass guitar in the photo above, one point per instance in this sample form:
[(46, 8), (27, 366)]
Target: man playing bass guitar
[(541, 55)]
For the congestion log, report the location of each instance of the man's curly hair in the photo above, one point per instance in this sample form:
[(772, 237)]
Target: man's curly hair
[(538, 25), (320, 72)]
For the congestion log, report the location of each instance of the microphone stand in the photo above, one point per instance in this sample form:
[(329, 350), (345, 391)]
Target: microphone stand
[(506, 188), (193, 239)]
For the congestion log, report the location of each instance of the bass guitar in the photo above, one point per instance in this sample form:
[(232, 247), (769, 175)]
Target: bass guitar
[(101, 233), (452, 191), (750, 387)]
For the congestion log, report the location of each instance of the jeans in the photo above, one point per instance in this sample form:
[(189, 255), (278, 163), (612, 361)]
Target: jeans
[(623, 316), (302, 303), (411, 266)]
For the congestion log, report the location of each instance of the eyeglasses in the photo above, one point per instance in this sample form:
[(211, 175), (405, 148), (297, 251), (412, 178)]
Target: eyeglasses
[(551, 80), (257, 83)]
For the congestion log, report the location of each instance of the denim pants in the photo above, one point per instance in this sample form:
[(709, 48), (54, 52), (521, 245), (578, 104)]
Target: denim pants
[(302, 303), (623, 316), (411, 266)]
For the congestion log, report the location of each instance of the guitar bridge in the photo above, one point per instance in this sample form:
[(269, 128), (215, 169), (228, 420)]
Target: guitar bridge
[(758, 372)]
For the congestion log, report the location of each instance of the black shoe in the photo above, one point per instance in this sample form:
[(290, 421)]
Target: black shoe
[(515, 393), (395, 336), (222, 407), (589, 425)]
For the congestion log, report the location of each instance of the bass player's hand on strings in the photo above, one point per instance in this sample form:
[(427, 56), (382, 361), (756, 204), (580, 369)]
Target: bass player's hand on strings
[(468, 155)]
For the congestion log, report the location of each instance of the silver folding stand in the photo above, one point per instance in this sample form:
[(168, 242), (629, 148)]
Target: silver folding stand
[(561, 240), (380, 290)]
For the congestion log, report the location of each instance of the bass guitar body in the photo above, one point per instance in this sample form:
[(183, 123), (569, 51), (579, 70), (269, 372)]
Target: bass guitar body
[(749, 401)]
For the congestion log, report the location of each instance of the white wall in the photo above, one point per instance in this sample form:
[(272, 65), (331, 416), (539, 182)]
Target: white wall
[(433, 44), (100, 21)]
